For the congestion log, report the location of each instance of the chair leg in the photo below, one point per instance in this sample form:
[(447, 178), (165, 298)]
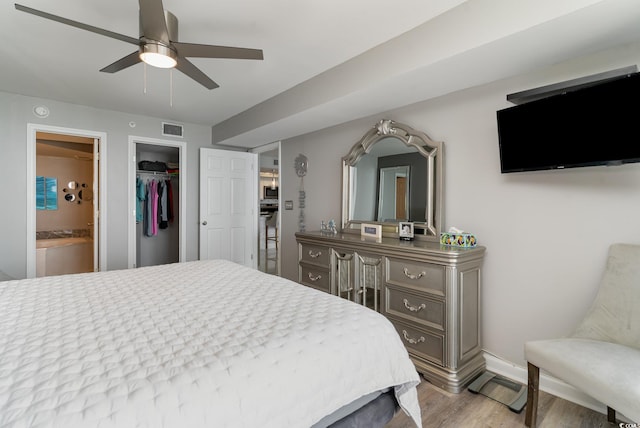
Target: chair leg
[(533, 383), (611, 415)]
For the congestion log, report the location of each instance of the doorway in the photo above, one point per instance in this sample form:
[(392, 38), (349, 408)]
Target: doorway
[(270, 205), (228, 206), (66, 229), (156, 179)]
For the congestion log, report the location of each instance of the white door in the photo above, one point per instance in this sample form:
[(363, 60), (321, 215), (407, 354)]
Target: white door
[(228, 206)]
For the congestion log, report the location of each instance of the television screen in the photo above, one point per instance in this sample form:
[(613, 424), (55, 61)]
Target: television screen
[(594, 125)]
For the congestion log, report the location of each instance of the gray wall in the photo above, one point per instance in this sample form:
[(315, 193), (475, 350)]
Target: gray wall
[(546, 232), (16, 112)]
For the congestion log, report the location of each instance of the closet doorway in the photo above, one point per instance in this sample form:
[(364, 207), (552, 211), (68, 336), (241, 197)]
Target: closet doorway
[(66, 226), (157, 202)]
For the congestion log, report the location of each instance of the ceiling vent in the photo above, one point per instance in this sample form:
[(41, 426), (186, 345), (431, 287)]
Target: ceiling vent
[(172, 130)]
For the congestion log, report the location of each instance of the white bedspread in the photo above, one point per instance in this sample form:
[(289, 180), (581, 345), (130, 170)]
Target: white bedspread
[(197, 344)]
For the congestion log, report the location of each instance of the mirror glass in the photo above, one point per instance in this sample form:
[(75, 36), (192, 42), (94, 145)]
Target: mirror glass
[(393, 174), (393, 193)]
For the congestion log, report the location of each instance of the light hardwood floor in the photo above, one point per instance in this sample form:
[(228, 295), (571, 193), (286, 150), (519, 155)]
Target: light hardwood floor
[(468, 410)]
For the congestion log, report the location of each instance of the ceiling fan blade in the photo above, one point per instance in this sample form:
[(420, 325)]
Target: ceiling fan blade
[(78, 24), (187, 67), (122, 63), (152, 21), (211, 51)]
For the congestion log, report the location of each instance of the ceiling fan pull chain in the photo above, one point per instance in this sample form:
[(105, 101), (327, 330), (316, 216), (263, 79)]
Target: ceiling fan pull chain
[(144, 78), (171, 88)]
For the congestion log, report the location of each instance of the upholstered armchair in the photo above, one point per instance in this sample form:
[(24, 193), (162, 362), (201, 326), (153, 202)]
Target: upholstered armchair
[(602, 357)]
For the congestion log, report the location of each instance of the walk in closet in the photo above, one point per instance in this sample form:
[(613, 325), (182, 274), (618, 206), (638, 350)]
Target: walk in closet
[(157, 190)]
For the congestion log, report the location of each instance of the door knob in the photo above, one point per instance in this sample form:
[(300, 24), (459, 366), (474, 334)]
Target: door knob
[(204, 223)]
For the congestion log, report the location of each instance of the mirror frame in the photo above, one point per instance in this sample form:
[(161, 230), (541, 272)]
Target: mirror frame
[(433, 151)]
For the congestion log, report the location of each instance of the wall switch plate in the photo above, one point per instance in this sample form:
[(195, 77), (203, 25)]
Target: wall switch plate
[(288, 205)]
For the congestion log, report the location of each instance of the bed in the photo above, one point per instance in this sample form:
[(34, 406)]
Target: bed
[(196, 344)]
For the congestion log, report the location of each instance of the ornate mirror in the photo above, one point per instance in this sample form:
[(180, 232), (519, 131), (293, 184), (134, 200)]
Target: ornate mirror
[(393, 174)]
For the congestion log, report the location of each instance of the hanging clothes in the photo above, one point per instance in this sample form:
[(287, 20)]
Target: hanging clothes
[(170, 200), (141, 195), (163, 217), (154, 205), (151, 211)]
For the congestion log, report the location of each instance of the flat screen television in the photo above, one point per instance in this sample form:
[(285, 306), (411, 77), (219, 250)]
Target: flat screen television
[(594, 125)]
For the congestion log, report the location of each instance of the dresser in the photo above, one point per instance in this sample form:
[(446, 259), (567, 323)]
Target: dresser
[(429, 292)]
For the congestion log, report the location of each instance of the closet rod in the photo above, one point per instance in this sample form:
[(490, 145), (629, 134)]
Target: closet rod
[(164, 174)]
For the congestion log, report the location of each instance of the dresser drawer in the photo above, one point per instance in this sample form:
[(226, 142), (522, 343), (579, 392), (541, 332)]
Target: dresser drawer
[(316, 278), (420, 343), (423, 276), (315, 254), (414, 307)]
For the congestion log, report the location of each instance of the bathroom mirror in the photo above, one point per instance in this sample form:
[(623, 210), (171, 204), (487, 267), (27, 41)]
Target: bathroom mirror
[(394, 173)]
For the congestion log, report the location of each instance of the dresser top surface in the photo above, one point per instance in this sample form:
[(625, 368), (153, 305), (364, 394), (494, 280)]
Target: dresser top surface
[(390, 243)]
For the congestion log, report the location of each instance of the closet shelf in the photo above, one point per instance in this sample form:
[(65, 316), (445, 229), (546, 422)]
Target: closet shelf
[(161, 174)]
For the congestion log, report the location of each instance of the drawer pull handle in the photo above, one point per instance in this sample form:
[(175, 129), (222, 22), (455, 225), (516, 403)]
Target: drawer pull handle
[(412, 275), (314, 278), (413, 308), (314, 255), (411, 340)]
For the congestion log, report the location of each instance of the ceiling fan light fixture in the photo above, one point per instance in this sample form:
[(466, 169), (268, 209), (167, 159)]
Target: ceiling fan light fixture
[(158, 55)]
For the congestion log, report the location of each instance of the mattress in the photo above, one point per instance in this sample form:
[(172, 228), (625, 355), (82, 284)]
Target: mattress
[(207, 343)]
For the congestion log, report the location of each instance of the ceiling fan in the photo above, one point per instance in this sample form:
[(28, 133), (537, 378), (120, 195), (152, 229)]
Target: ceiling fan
[(158, 44)]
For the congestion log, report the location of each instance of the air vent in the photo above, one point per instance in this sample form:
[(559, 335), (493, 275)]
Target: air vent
[(172, 130)]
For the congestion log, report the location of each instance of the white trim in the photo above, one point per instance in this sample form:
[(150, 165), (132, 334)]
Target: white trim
[(548, 383), (131, 184), (32, 130)]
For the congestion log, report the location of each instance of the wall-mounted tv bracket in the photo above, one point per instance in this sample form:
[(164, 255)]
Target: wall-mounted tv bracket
[(569, 85)]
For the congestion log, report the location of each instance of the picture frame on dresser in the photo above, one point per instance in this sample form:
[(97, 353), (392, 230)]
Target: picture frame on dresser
[(405, 230), (371, 231)]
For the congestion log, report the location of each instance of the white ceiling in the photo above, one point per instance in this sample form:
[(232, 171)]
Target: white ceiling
[(326, 61)]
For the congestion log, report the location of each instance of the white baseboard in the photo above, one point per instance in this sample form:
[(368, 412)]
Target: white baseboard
[(547, 383)]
